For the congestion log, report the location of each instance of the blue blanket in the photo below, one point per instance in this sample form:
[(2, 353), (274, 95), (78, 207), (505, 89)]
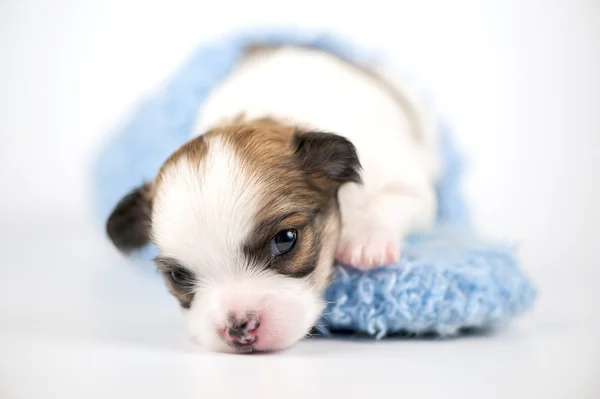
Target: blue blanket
[(446, 281)]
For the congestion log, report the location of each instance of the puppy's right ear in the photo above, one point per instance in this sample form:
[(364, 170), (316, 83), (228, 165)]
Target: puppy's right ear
[(128, 226)]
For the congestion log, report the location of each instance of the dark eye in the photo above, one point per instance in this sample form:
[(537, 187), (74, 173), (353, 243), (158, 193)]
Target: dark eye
[(181, 277), (283, 242)]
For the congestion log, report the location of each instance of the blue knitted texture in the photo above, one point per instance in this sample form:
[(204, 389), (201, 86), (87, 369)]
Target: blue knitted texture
[(446, 280)]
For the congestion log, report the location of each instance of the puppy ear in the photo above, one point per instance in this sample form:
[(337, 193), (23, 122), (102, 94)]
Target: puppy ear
[(327, 156), (128, 226)]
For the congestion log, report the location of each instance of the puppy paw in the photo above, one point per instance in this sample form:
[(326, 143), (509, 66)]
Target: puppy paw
[(368, 249)]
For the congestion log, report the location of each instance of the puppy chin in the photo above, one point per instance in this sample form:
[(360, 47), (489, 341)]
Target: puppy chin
[(285, 308)]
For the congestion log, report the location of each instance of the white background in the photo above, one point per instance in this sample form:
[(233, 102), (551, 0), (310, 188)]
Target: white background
[(519, 80)]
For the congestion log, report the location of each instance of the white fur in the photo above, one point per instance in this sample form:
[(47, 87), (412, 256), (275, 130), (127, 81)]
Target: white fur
[(201, 216), (395, 139)]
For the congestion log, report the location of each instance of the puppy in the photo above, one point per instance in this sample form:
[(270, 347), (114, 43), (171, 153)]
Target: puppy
[(298, 158)]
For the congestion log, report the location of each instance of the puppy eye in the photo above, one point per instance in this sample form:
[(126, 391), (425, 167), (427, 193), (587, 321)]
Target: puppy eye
[(181, 277), (283, 242)]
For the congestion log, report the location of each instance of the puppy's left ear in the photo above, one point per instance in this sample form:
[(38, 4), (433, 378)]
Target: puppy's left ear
[(328, 158), (128, 226)]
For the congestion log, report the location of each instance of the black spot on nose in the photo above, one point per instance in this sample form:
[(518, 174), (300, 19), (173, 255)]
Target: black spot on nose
[(236, 331)]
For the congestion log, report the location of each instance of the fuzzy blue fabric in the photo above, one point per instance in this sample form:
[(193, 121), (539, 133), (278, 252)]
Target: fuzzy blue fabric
[(446, 281)]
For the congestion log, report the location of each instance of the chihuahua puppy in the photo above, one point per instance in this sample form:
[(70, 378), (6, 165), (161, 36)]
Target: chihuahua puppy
[(299, 158)]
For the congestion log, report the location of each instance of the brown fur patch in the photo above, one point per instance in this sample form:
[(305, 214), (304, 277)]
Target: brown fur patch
[(291, 198), (247, 136), (183, 292), (296, 196), (184, 297)]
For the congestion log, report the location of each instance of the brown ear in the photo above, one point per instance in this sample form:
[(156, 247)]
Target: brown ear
[(128, 226), (327, 157)]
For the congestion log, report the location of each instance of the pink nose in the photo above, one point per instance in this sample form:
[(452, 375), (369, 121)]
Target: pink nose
[(242, 332)]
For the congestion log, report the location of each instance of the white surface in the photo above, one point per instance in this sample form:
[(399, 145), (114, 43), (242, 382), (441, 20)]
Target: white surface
[(520, 80)]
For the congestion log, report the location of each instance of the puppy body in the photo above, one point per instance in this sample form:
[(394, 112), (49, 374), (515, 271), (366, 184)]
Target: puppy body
[(298, 157)]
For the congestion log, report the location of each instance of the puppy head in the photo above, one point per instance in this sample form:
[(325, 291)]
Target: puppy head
[(246, 221)]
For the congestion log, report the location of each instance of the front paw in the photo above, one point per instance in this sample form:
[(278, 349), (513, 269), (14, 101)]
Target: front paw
[(368, 249)]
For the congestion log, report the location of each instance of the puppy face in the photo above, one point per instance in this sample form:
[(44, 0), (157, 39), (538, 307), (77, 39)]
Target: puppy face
[(246, 221)]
